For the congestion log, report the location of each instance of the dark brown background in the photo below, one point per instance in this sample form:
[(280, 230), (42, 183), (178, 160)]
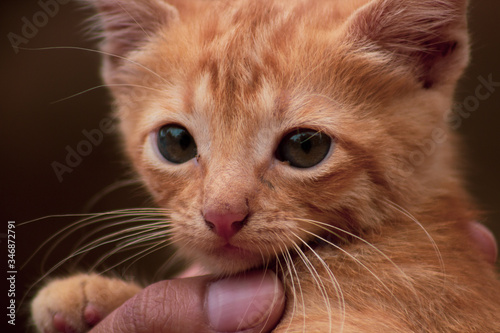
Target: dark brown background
[(35, 131)]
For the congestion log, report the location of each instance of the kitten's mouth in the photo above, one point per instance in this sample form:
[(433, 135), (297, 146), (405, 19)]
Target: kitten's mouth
[(229, 247), (233, 252)]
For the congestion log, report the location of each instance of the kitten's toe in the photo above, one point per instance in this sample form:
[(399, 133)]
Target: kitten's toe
[(78, 303), (91, 317), (61, 325)]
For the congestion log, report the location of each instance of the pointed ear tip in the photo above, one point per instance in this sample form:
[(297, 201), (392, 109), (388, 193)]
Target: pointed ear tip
[(460, 5), (430, 15), (129, 7)]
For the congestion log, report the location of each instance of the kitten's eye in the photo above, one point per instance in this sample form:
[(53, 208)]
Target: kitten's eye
[(175, 144), (304, 148)]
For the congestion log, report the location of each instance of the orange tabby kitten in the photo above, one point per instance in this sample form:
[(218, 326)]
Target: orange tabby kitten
[(278, 133)]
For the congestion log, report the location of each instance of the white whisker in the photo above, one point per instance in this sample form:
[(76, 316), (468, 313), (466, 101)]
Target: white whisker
[(87, 219), (109, 189), (133, 19), (103, 86), (294, 274), (135, 239), (436, 248), (151, 227), (156, 246), (145, 224), (335, 284), (314, 273), (361, 264), (328, 227), (95, 51)]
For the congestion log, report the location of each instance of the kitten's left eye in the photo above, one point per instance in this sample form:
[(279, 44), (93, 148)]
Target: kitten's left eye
[(304, 148), (175, 144)]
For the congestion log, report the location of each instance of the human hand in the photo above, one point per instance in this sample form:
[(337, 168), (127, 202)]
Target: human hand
[(251, 302)]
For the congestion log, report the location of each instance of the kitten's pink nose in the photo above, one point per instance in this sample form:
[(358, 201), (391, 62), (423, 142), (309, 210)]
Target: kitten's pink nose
[(227, 224)]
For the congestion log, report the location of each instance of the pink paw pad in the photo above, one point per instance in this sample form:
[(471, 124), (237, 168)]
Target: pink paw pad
[(61, 325), (91, 315)]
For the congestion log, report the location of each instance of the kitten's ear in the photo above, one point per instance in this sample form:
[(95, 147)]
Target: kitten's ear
[(127, 24), (429, 37)]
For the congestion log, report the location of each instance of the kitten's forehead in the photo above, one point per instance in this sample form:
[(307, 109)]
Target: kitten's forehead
[(231, 109), (249, 126), (237, 123)]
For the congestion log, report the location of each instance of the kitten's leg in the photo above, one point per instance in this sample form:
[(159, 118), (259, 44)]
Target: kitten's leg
[(78, 303)]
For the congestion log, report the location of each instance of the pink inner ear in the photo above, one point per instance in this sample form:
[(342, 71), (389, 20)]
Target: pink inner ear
[(126, 24), (485, 241), (424, 35)]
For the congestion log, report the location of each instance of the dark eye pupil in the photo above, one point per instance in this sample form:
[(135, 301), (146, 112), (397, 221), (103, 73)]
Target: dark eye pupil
[(304, 148), (185, 140), (175, 144)]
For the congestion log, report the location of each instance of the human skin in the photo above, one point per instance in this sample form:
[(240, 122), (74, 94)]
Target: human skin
[(251, 302)]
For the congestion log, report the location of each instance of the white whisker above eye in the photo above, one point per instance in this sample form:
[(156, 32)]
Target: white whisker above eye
[(77, 48)]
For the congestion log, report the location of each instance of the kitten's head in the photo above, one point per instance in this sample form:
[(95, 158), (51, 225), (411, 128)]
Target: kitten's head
[(258, 124)]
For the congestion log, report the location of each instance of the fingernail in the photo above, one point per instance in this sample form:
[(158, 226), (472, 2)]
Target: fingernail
[(485, 240), (243, 302)]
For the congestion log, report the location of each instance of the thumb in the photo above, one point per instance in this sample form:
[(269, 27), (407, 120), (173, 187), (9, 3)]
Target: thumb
[(251, 302)]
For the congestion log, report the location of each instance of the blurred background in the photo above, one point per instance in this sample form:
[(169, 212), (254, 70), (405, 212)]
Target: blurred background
[(38, 130)]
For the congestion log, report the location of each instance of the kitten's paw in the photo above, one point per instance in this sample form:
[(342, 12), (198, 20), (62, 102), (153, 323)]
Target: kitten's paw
[(78, 303)]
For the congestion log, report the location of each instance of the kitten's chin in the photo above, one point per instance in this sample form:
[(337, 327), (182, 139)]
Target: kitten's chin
[(230, 259)]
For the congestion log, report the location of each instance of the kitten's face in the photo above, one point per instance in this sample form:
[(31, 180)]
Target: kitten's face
[(257, 127)]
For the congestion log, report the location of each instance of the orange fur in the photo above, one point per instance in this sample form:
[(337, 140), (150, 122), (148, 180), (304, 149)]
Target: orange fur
[(377, 76)]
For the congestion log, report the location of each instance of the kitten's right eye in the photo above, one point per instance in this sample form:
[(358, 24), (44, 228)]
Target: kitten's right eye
[(175, 144), (304, 148)]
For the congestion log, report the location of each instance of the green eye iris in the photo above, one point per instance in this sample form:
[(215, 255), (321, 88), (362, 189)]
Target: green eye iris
[(304, 148), (175, 144)]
